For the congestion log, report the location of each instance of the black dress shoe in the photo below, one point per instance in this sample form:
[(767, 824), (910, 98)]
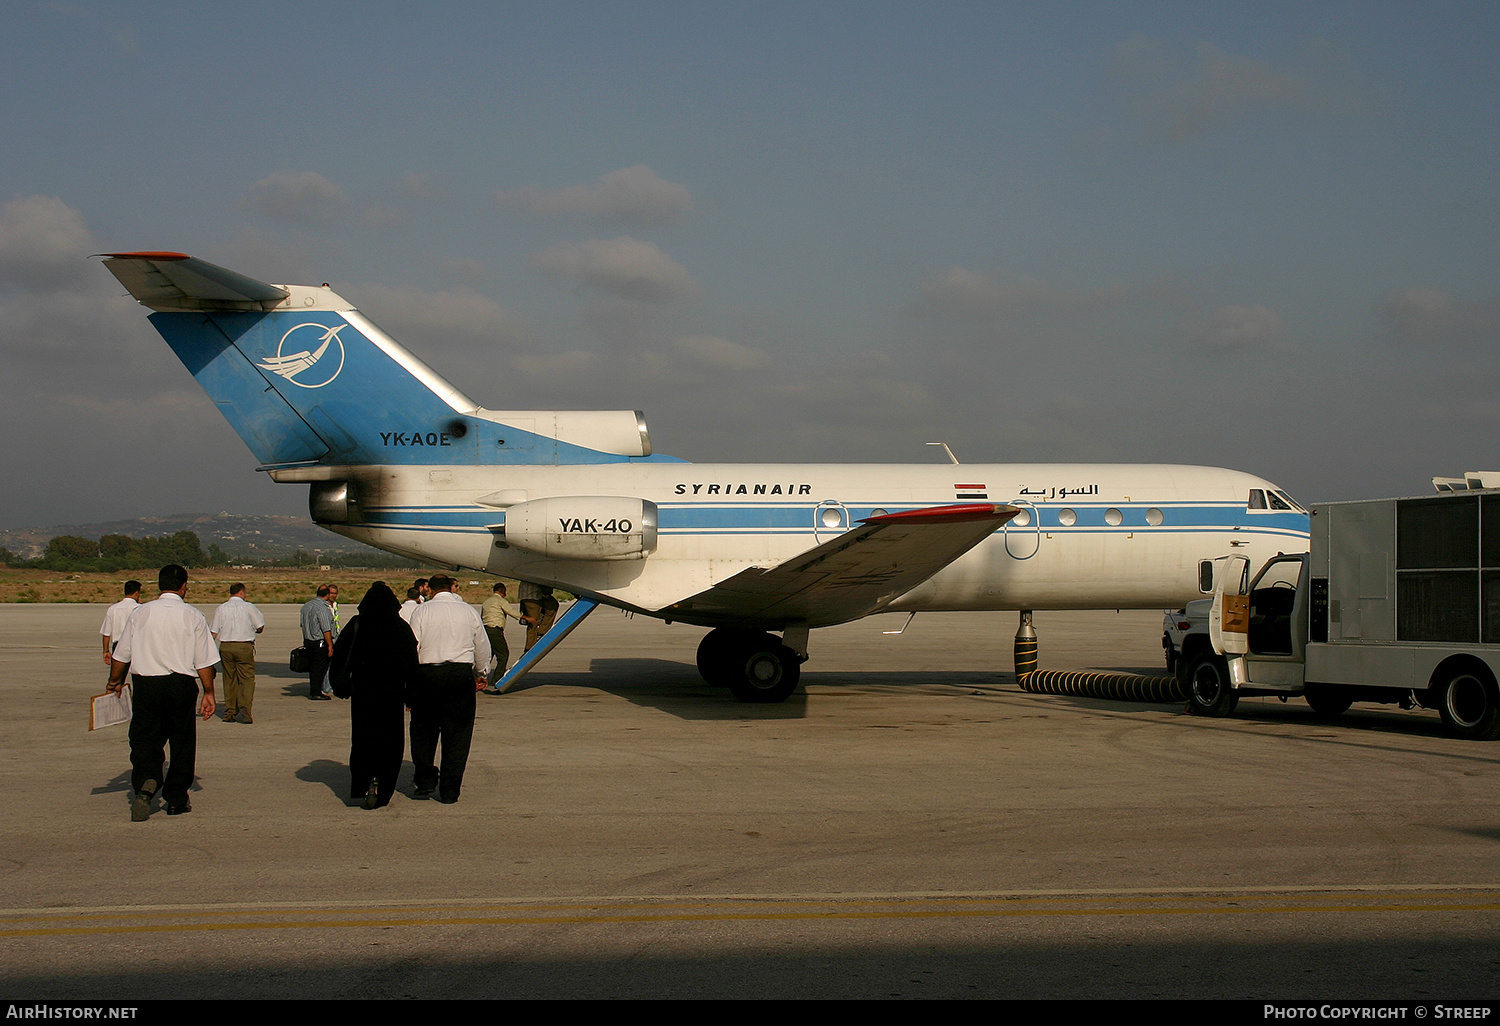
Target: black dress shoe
[(177, 810), (140, 808)]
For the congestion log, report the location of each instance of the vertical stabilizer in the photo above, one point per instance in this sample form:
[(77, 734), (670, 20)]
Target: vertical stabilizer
[(303, 377)]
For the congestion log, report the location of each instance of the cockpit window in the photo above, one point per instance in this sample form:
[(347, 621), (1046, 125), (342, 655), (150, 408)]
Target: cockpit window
[(1293, 503), (1272, 499)]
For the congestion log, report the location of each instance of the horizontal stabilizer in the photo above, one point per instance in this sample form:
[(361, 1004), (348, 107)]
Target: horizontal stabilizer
[(854, 575), (176, 281)]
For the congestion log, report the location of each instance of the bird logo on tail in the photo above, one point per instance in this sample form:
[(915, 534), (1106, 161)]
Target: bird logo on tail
[(329, 355)]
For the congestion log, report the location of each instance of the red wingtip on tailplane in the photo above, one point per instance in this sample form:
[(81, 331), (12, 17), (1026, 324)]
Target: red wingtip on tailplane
[(175, 282)]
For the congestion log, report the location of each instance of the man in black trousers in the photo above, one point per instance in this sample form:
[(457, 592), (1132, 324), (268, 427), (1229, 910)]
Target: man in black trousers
[(453, 654)]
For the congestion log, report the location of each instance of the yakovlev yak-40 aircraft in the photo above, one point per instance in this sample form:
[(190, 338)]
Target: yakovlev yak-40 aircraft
[(400, 459)]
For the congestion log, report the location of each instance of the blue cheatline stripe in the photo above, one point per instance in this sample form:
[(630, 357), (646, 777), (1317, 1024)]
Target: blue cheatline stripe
[(759, 519), (812, 534)]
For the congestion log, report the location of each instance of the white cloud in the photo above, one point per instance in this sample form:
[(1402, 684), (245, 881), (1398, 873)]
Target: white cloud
[(713, 353), (575, 365), (449, 314), (1179, 97), (418, 186), (43, 242), (1432, 318), (990, 299), (302, 198), (632, 197), (625, 267), (1242, 327)]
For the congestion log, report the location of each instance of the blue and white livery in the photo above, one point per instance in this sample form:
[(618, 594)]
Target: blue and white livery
[(399, 458)]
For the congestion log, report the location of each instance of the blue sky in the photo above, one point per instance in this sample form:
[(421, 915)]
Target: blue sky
[(1261, 236)]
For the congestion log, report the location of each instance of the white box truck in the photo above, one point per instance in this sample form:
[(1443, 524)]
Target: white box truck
[(1397, 600)]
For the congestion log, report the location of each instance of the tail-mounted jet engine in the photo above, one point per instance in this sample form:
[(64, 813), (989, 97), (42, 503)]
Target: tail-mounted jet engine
[(581, 527)]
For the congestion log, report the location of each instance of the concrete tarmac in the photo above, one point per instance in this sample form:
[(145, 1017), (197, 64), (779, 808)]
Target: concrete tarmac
[(910, 825)]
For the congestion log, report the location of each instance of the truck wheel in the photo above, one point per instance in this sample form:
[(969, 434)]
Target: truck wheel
[(1207, 685), (1469, 705), (1328, 699)]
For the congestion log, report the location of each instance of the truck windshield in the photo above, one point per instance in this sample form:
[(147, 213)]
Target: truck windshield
[(1282, 573)]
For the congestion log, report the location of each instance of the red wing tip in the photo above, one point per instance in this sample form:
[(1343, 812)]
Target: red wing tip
[(955, 514), (147, 255)]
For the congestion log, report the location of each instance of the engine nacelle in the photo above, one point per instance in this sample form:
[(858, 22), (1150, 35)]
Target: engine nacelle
[(333, 502), (583, 527)]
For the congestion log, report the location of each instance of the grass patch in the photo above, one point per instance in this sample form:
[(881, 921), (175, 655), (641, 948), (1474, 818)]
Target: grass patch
[(209, 586)]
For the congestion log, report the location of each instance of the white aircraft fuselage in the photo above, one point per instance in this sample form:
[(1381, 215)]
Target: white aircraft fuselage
[(715, 520), (398, 457)]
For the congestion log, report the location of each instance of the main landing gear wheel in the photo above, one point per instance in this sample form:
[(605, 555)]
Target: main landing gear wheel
[(718, 651), (755, 667), (1208, 690), (1469, 704)]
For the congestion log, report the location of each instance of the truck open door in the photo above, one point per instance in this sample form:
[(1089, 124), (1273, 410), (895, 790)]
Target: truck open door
[(1229, 614)]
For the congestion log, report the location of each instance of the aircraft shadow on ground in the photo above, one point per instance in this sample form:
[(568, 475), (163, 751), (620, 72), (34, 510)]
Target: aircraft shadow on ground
[(676, 688)]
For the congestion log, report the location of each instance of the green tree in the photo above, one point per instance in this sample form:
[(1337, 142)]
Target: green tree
[(70, 552)]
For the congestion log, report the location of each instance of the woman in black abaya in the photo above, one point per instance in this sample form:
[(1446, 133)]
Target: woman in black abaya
[(374, 661)]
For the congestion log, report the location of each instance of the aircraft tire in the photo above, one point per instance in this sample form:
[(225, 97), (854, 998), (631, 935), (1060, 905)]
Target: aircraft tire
[(764, 671), (1328, 699), (1207, 684), (1469, 704)]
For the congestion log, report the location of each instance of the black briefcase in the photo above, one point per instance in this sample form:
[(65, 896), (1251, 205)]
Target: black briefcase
[(299, 662)]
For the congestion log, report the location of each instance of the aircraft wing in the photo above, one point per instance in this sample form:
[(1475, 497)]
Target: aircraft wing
[(176, 281), (853, 575)]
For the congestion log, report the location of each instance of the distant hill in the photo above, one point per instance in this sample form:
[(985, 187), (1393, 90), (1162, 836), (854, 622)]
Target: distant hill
[(250, 538)]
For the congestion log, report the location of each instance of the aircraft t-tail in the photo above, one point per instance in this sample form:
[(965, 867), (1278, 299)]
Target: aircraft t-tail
[(399, 458)]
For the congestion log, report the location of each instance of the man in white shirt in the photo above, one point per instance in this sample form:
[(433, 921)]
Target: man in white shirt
[(453, 654), (166, 645), (116, 615), (234, 627), (413, 600)]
